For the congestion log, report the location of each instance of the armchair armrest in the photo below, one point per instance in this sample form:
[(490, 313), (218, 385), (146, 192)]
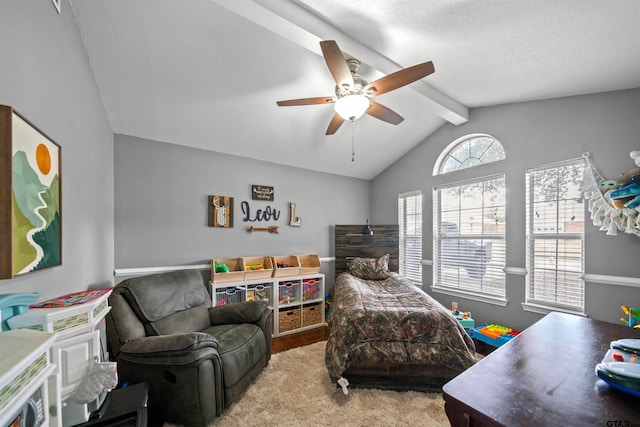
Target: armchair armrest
[(183, 371), (257, 312), (177, 349), (242, 312)]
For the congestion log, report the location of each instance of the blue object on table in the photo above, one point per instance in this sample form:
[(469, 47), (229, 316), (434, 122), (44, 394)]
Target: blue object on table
[(14, 304)]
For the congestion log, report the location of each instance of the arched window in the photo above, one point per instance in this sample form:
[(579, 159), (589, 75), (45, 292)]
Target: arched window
[(469, 219), (468, 151)]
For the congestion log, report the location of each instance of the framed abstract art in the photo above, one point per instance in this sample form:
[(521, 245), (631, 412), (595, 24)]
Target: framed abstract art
[(30, 197)]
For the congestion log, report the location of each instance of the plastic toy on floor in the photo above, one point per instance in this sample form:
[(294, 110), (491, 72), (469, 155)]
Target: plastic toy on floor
[(633, 314), (328, 307), (495, 335)]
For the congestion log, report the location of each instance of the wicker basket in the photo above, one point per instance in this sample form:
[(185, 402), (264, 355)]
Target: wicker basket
[(288, 319), (312, 314)]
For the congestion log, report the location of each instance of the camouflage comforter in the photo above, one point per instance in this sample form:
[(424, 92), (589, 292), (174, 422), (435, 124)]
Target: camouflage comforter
[(394, 321)]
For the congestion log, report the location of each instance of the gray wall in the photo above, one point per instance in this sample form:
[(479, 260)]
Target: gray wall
[(46, 77), (161, 208), (161, 189), (533, 133)]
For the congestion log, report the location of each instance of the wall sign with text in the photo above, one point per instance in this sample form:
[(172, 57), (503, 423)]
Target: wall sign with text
[(262, 192)]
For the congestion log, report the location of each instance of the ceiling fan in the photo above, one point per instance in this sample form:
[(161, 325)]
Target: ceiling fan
[(353, 94)]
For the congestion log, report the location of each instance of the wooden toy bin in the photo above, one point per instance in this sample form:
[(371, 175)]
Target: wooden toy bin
[(235, 274), (309, 264), (292, 267), (265, 271)]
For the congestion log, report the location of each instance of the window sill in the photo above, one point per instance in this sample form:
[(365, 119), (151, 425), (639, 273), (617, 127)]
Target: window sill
[(471, 295), (632, 282), (544, 309)]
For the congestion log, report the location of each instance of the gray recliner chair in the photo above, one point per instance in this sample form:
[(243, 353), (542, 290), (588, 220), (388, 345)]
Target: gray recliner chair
[(197, 359)]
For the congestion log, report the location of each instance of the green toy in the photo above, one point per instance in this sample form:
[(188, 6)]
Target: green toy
[(220, 268)]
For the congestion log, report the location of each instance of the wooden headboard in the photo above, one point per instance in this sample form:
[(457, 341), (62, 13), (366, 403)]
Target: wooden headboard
[(351, 243)]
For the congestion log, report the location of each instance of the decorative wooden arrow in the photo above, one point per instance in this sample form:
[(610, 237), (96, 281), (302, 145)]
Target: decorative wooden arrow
[(272, 229)]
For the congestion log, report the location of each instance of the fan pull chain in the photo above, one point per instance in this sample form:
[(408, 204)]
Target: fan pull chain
[(353, 144)]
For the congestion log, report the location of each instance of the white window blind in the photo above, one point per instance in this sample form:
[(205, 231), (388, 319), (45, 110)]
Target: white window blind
[(555, 236), (410, 222), (469, 236)]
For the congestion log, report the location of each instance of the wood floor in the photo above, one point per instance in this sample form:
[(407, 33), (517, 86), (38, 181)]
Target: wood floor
[(299, 339)]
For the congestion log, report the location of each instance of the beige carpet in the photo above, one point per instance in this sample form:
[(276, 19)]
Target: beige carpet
[(295, 390)]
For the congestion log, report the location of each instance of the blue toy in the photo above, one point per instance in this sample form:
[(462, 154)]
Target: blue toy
[(628, 196)]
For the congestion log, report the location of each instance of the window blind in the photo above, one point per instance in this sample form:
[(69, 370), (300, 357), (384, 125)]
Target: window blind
[(410, 222), (555, 235), (469, 236)]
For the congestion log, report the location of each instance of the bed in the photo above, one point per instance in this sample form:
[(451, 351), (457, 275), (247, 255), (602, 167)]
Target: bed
[(385, 332)]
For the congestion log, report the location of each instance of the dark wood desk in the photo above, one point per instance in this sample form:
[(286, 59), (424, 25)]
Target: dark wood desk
[(544, 377)]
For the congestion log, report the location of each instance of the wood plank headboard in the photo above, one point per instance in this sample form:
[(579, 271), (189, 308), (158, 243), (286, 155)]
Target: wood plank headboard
[(351, 243)]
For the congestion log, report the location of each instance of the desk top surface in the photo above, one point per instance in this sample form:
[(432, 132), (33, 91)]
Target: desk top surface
[(546, 376)]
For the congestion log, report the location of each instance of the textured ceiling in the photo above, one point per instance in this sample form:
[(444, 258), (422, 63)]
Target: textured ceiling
[(208, 73)]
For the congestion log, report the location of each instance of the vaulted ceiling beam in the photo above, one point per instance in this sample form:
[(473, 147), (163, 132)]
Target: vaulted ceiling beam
[(302, 27)]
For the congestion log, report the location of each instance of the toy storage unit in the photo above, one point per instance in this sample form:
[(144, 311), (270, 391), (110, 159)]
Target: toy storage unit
[(297, 301), (80, 341)]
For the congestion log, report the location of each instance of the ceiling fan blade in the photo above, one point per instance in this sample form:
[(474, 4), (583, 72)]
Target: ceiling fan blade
[(338, 67), (383, 113), (400, 78), (306, 101), (335, 124)]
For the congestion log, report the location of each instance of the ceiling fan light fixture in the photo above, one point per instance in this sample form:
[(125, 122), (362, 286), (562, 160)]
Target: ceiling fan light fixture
[(353, 94), (351, 107)]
